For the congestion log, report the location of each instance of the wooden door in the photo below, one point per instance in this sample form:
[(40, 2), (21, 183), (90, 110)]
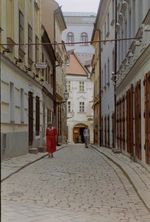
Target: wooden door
[(130, 121), (102, 132), (147, 118), (113, 129), (30, 117), (138, 120), (124, 122)]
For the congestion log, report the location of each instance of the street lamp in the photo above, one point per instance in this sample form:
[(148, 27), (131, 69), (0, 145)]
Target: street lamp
[(66, 95)]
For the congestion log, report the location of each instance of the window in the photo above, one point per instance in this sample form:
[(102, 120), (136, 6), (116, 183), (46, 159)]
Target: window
[(113, 10), (140, 11), (81, 86), (30, 48), (21, 30), (69, 107), (37, 123), (102, 79), (105, 75), (48, 75), (70, 38), (49, 116), (108, 71), (81, 107), (108, 24), (12, 107), (36, 49), (84, 38), (22, 105), (105, 30), (133, 16), (68, 86)]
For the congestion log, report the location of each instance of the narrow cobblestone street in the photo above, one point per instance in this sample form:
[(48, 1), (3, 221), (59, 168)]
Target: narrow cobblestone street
[(78, 185)]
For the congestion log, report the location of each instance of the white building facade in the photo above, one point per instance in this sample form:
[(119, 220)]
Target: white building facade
[(79, 29), (79, 106)]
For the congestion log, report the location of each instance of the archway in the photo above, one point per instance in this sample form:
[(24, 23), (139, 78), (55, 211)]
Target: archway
[(78, 133)]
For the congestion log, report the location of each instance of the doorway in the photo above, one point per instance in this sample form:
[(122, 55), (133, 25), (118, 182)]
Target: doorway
[(78, 133)]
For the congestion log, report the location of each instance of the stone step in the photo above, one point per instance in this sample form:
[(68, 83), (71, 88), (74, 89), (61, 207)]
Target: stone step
[(42, 149), (33, 150)]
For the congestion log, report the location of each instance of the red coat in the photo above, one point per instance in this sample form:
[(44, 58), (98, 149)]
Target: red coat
[(51, 139)]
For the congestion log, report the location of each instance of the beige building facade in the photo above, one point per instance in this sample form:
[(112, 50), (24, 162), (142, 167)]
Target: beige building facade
[(28, 74)]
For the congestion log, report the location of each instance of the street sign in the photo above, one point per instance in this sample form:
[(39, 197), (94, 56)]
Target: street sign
[(41, 65)]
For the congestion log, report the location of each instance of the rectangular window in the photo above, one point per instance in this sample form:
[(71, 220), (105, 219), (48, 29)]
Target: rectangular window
[(36, 49), (30, 48), (69, 107), (105, 76), (81, 86), (107, 24), (22, 105), (105, 30), (37, 113), (12, 107), (68, 84), (113, 9), (108, 72), (21, 30), (49, 116), (81, 107)]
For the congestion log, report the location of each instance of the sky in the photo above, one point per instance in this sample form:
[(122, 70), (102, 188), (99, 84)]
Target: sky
[(79, 5)]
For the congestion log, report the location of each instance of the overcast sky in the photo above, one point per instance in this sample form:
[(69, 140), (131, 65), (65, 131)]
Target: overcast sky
[(79, 5)]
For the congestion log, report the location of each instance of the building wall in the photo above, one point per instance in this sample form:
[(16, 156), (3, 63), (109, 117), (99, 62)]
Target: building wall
[(133, 64), (105, 23), (19, 77), (75, 96), (78, 23)]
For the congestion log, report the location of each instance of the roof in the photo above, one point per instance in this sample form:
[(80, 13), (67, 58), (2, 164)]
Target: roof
[(75, 67)]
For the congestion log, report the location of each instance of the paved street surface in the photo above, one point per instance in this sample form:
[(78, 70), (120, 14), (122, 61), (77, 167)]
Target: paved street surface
[(78, 185)]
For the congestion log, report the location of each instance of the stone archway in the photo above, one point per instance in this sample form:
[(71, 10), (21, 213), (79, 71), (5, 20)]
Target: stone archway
[(78, 133)]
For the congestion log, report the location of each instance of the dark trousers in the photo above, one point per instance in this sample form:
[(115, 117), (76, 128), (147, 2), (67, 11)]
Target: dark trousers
[(86, 141)]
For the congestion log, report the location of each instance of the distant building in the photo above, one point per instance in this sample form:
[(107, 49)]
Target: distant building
[(79, 105), (77, 36), (79, 29)]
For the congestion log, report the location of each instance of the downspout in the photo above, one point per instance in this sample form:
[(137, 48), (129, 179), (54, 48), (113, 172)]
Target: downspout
[(54, 79), (100, 128)]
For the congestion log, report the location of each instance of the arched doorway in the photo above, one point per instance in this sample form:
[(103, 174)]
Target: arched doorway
[(78, 133)]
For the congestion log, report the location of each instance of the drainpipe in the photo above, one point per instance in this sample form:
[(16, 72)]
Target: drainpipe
[(100, 128), (54, 79)]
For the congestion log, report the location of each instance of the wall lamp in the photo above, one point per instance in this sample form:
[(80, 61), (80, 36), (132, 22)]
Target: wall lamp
[(19, 61), (66, 96), (28, 68), (6, 50)]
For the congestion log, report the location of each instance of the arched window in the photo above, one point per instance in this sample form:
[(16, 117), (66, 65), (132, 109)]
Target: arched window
[(84, 38), (70, 38)]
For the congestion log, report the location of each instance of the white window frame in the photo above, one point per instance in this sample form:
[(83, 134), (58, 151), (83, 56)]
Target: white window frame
[(81, 86), (81, 107)]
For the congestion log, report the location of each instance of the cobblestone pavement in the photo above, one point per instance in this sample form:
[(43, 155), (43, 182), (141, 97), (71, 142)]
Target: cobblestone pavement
[(78, 185)]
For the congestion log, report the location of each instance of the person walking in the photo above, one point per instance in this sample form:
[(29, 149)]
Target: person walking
[(86, 136), (51, 138)]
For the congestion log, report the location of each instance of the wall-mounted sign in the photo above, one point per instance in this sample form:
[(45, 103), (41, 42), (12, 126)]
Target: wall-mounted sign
[(41, 65)]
